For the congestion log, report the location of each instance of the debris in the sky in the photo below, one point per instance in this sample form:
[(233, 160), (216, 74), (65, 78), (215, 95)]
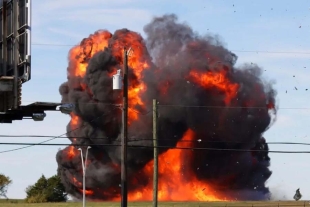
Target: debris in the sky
[(297, 195), (296, 88)]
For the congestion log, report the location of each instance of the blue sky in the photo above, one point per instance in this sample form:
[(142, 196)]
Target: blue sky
[(242, 25)]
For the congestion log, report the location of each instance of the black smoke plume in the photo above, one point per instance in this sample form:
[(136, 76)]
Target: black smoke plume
[(172, 49)]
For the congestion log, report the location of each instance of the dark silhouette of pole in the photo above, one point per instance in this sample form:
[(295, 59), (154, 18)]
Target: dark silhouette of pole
[(124, 133), (155, 143), (16, 52), (4, 38)]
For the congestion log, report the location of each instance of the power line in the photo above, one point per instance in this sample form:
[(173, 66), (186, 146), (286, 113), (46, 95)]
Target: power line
[(228, 107), (167, 147), (243, 51), (31, 145), (134, 140), (186, 106), (99, 103)]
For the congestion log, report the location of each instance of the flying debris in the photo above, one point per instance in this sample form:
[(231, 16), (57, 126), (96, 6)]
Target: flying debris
[(161, 66), (297, 195)]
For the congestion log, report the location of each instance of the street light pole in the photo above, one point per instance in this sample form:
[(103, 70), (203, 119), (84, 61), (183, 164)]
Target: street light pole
[(84, 170)]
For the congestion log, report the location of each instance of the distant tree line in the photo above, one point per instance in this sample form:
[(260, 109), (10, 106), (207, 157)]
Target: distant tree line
[(44, 190)]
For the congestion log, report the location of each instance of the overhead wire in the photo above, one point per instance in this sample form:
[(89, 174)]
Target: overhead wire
[(187, 106), (34, 144), (227, 107), (167, 147), (133, 140), (160, 139), (244, 51)]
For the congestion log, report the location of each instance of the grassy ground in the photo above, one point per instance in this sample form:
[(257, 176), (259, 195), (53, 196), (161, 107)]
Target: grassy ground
[(19, 203)]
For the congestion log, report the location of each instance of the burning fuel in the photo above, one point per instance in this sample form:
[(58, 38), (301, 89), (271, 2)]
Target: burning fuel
[(178, 67)]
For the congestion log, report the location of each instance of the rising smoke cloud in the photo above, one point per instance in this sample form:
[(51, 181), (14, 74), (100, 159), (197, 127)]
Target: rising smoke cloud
[(179, 68)]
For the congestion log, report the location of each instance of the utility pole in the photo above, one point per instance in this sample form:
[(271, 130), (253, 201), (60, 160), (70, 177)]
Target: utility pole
[(124, 132), (16, 52), (155, 143)]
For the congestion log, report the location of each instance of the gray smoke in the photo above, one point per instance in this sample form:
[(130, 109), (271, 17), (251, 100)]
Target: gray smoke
[(173, 50)]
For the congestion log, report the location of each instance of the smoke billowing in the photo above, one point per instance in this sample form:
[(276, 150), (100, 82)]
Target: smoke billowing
[(202, 96)]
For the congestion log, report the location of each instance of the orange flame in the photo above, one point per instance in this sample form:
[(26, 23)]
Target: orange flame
[(176, 182), (72, 152), (74, 122), (137, 88), (138, 63), (218, 80), (87, 192), (90, 46), (76, 182), (79, 55)]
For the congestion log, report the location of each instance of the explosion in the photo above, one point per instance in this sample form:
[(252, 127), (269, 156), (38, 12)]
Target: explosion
[(203, 96)]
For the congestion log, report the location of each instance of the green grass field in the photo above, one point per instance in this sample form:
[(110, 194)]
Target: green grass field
[(20, 203)]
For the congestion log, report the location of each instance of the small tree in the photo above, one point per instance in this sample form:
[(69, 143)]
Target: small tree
[(36, 193), (4, 183), (46, 190), (55, 191)]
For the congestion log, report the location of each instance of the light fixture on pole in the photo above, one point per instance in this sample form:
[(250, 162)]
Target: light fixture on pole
[(67, 108), (84, 170)]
